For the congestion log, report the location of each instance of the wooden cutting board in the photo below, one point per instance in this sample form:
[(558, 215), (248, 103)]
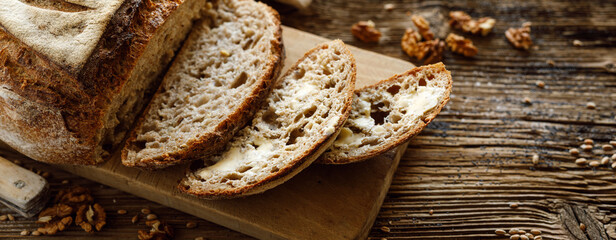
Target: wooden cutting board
[(322, 202)]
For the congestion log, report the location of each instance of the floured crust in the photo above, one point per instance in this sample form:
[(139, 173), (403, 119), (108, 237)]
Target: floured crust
[(209, 142), (76, 98), (342, 152), (189, 184)]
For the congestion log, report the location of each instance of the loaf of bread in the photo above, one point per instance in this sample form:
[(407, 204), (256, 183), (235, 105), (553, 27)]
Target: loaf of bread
[(299, 120), (390, 113), (218, 80), (73, 74)]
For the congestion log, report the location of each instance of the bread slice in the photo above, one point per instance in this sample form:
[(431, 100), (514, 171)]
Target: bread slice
[(222, 74), (299, 120), (390, 113)]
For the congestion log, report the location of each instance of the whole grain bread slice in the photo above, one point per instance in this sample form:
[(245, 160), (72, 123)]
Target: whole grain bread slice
[(300, 119), (390, 113), (218, 80)]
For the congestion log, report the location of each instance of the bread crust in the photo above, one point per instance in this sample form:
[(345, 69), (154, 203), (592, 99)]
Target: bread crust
[(430, 115), (74, 101), (299, 164), (210, 143)]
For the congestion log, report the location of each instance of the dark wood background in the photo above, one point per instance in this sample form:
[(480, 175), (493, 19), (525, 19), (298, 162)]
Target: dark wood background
[(475, 158)]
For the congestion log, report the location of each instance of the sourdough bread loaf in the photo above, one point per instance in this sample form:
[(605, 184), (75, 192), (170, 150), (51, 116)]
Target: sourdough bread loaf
[(73, 74), (299, 120), (389, 113), (218, 80)]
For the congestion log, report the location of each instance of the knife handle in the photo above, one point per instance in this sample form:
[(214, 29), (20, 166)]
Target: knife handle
[(21, 189)]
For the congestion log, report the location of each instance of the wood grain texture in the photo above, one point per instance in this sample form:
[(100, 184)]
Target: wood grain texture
[(474, 159)]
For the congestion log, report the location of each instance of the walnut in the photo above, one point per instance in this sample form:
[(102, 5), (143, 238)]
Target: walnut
[(520, 37), (89, 216), (423, 27), (464, 22), (74, 197), (412, 47), (365, 31), (461, 45), (159, 231), (55, 218)]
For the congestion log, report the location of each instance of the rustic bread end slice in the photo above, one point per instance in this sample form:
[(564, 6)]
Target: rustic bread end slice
[(218, 80), (390, 113), (300, 119)]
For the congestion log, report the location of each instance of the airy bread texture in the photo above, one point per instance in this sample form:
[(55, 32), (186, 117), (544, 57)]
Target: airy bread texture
[(59, 109), (299, 120), (216, 83), (390, 113)]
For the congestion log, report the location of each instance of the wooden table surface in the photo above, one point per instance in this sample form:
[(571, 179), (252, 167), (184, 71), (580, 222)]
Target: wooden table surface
[(474, 160)]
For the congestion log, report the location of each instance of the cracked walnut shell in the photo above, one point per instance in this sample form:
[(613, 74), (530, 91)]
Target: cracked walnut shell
[(90, 217), (423, 27), (414, 48), (55, 218), (461, 45), (464, 22), (74, 197), (365, 31), (159, 231)]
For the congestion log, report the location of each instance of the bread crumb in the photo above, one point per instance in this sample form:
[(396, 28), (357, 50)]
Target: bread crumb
[(540, 84), (389, 6), (577, 43), (591, 105), (581, 161)]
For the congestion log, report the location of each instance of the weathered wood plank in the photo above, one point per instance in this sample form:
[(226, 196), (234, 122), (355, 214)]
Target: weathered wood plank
[(474, 159)]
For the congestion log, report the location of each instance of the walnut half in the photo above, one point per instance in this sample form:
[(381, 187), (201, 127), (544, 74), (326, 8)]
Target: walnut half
[(411, 45), (365, 31), (158, 231), (90, 217), (55, 219), (464, 22), (520, 37), (461, 45)]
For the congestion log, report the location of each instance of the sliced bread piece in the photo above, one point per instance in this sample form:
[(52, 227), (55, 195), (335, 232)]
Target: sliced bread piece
[(390, 113), (300, 119), (216, 83)]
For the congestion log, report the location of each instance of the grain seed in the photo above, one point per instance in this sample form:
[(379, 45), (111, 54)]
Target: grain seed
[(535, 231), (538, 238), (577, 43), (11, 217), (607, 147), (594, 163), (135, 219), (385, 229), (25, 233), (17, 162), (613, 143), (540, 84), (527, 100), (513, 205), (574, 151), (514, 231), (224, 53), (581, 161), (605, 160), (613, 157), (591, 105), (46, 175), (530, 235), (3, 217), (586, 147), (550, 62), (146, 211), (535, 159), (65, 182), (36, 233), (583, 227), (523, 237), (431, 212), (588, 141), (514, 237), (614, 165), (151, 217), (389, 6), (499, 232), (191, 224), (199, 238), (521, 232), (121, 211)]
